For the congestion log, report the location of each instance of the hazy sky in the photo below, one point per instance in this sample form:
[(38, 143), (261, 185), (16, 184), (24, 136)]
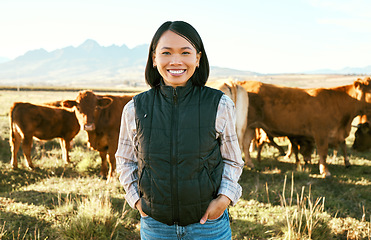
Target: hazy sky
[(266, 36)]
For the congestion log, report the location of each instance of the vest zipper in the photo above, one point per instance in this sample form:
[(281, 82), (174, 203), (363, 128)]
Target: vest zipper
[(174, 164)]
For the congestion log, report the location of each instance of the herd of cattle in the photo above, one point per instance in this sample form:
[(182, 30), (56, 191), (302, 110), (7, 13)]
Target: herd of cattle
[(309, 118)]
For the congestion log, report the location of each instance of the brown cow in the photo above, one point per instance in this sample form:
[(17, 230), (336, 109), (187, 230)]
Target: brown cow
[(45, 123), (322, 115), (241, 100), (100, 117)]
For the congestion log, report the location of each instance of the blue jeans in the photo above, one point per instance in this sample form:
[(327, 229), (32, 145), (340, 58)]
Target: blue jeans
[(218, 229)]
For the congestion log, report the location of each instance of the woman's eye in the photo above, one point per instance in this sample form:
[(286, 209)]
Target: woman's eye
[(186, 53), (165, 53)]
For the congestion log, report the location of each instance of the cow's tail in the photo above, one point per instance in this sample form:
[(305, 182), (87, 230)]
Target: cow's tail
[(242, 106), (12, 125)]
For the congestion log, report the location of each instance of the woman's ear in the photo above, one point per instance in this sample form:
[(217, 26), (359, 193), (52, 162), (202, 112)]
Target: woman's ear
[(198, 57), (154, 59)]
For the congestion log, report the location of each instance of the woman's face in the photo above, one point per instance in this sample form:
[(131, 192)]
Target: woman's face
[(175, 58)]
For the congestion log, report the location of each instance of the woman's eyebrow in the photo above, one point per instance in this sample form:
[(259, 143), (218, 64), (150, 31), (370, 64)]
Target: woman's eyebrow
[(180, 48)]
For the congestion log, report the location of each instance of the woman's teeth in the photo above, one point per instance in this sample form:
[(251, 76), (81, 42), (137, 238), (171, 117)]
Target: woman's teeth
[(176, 71)]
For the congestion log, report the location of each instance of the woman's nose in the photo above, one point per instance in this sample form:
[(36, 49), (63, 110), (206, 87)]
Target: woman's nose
[(176, 60)]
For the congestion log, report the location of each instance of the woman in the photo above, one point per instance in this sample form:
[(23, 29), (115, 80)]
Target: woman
[(178, 157)]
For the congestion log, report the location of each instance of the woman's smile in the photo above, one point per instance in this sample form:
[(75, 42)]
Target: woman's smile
[(176, 72)]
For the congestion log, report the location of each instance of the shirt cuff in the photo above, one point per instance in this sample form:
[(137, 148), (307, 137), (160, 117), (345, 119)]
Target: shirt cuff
[(132, 196), (233, 192)]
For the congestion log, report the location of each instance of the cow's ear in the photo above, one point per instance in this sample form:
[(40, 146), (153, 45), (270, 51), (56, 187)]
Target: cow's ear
[(357, 84), (69, 103), (104, 102)]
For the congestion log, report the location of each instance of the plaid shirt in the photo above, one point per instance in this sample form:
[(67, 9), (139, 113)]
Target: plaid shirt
[(127, 163)]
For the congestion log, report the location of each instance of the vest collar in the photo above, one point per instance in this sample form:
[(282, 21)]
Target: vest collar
[(181, 91)]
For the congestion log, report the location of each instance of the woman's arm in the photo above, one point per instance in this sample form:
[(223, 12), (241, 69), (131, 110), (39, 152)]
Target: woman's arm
[(230, 191), (126, 160), (230, 150)]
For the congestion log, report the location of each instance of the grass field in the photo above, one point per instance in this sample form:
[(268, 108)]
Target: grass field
[(56, 201)]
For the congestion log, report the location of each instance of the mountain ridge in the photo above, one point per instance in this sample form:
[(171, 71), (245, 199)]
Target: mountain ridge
[(90, 64)]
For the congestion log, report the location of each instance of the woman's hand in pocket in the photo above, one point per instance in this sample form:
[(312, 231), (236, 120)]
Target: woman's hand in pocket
[(216, 208), (138, 205)]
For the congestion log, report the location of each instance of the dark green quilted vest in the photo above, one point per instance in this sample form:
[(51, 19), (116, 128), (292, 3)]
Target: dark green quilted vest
[(180, 164)]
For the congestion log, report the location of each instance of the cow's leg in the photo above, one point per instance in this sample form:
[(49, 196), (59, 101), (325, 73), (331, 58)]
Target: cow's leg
[(15, 143), (27, 145), (112, 166), (65, 146), (295, 150), (289, 150), (307, 158), (323, 169), (334, 155), (248, 137), (322, 148), (343, 147), (306, 149), (274, 144), (259, 149), (104, 167)]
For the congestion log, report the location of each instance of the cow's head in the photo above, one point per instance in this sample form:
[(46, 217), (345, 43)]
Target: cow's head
[(362, 141), (85, 106), (363, 89)]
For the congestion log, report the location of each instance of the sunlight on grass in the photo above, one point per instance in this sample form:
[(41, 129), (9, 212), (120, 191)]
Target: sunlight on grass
[(93, 219), (88, 161), (352, 229), (15, 228), (298, 217), (299, 214)]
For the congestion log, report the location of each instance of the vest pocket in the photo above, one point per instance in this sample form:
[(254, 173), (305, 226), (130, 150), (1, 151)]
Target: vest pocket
[(210, 178), (213, 158), (140, 173), (213, 164), (215, 177), (144, 183)]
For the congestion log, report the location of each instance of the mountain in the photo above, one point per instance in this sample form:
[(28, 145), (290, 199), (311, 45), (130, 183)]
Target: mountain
[(92, 65), (219, 72), (88, 65), (3, 59)]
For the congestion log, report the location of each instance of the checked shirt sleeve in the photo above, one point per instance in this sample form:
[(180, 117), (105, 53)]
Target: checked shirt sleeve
[(230, 150), (126, 159)]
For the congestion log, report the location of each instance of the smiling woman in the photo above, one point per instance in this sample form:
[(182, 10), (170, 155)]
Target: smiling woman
[(177, 51), (183, 182), (175, 58)]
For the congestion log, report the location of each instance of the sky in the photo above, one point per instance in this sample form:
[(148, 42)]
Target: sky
[(264, 36)]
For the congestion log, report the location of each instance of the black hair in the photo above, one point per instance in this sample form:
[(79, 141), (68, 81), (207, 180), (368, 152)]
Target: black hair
[(185, 30)]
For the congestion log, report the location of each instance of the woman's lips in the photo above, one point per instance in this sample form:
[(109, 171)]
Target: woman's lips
[(176, 72)]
